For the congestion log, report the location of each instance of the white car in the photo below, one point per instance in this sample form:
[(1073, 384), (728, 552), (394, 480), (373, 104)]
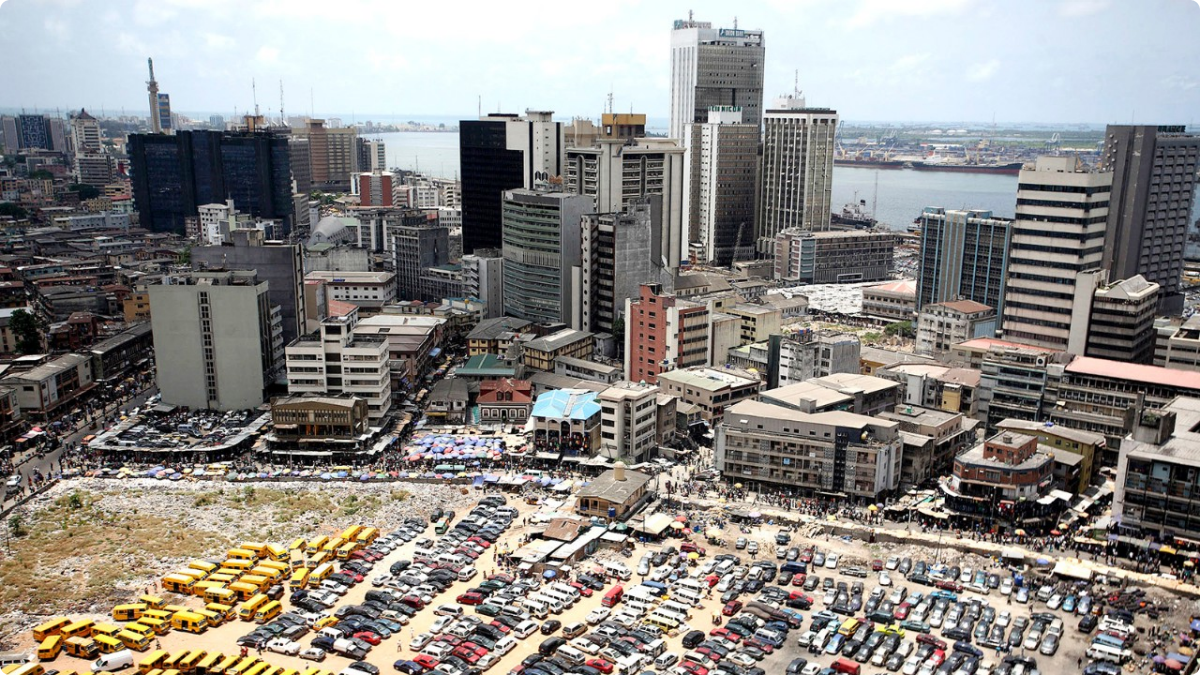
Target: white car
[(438, 650), (831, 562), (284, 646), (467, 573), (597, 615), (440, 624), (643, 566), (448, 610), (740, 659), (505, 645), (811, 669), (313, 654), (381, 579), (891, 563), (419, 641), (525, 629), (885, 579), (487, 661), (1006, 586)]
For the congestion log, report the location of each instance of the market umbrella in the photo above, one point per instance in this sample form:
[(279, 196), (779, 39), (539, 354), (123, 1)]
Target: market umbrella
[(872, 508), (1195, 624), (1173, 664), (1056, 533), (693, 556), (755, 514), (722, 501), (549, 574), (737, 486), (676, 526), (681, 519), (831, 518), (712, 533), (1019, 532), (1158, 658), (1043, 561)]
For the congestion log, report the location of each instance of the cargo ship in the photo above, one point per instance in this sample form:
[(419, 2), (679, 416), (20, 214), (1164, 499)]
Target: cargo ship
[(870, 163), (1004, 168)]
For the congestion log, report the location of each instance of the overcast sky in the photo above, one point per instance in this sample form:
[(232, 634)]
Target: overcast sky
[(1094, 61)]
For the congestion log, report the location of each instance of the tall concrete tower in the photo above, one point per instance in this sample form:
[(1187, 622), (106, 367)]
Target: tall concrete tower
[(152, 88)]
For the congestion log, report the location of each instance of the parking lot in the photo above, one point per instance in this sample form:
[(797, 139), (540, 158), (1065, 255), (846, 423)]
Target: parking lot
[(435, 613)]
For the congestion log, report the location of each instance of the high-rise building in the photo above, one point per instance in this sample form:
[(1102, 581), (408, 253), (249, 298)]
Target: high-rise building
[(216, 122), (483, 279), (174, 175), (1056, 252), (620, 252), (629, 421), (216, 346), (375, 188), (714, 66), (334, 361), (833, 256), (372, 155), (332, 154), (722, 165), (92, 166), (11, 135), (616, 171), (541, 255), (662, 333), (164, 113), (1121, 321), (1150, 207), (29, 132), (502, 152), (300, 160), (85, 134), (279, 264), (964, 255), (796, 179), (419, 243)]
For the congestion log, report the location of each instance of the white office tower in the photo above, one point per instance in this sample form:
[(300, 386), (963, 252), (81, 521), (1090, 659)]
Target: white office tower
[(722, 157), (796, 184), (714, 67)]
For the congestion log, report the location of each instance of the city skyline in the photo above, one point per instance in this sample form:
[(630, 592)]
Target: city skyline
[(923, 60)]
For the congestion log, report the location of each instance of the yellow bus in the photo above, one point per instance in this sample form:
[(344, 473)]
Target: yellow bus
[(175, 608), (296, 559), (275, 565), (219, 667), (255, 580), (29, 669), (152, 601), (249, 608), (317, 544), (129, 612), (159, 626), (268, 611), (50, 647), (367, 536), (171, 671), (201, 587), (52, 627), (140, 628), (299, 579), (155, 671), (351, 532), (105, 629), (276, 552), (225, 579), (258, 548), (160, 614), (80, 628), (317, 559), (344, 551), (208, 662), (270, 573), (242, 666), (188, 663), (134, 641), (273, 670), (109, 643), (239, 564), (241, 554), (203, 566), (333, 544), (321, 573), (196, 575), (212, 618), (190, 622), (81, 648), (243, 590), (258, 668), (172, 660), (178, 583), (226, 611), (220, 595), (298, 544)]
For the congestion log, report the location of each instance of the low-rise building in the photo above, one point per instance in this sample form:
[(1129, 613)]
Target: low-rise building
[(48, 390), (1062, 440), (414, 345), (944, 388), (711, 389), (1002, 481), (494, 336), (583, 369), (833, 256), (1178, 346), (540, 353), (784, 360), (449, 401), (505, 401), (893, 301), (615, 494), (941, 325), (116, 357), (1121, 324), (932, 438), (566, 425), (1158, 474), (334, 361), (369, 291), (325, 428), (871, 395), (488, 367), (837, 455), (629, 421)]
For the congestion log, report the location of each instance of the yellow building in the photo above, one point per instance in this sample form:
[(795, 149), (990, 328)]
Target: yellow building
[(1059, 438)]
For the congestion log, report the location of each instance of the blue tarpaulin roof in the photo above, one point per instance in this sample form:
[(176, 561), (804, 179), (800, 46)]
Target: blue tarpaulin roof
[(575, 404)]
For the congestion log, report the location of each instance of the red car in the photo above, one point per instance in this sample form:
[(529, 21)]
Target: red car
[(452, 640), (470, 598), (368, 637), (427, 662), (799, 579), (806, 556), (692, 668), (465, 654), (506, 578), (583, 590), (876, 565), (902, 611), (732, 607), (726, 634), (949, 585), (712, 654), (600, 665), (413, 601), (936, 658), (759, 644), (927, 639), (480, 541), (692, 547), (499, 626)]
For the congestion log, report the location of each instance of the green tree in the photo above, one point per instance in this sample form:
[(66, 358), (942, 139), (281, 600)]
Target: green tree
[(16, 526), (85, 191), (27, 330), (901, 328), (41, 174), (13, 210)]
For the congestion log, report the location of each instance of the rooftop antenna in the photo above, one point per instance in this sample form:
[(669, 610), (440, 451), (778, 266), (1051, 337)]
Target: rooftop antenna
[(282, 116), (610, 100), (479, 105), (796, 84), (735, 23), (254, 95), (689, 16)]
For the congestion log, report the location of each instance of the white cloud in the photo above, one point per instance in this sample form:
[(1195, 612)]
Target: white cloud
[(218, 41), (57, 28), (1077, 8), (983, 71), (871, 11), (267, 54), (1181, 82)]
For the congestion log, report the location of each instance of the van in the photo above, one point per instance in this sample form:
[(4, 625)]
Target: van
[(315, 545), (158, 626), (333, 545), (161, 615), (52, 627), (81, 648), (298, 544), (204, 566), (344, 551), (678, 608), (665, 660), (128, 612), (220, 595), (678, 617), (189, 621), (248, 609), (109, 644), (571, 655), (254, 580), (296, 559), (241, 554), (299, 579), (654, 648), (112, 662), (30, 669), (268, 611), (50, 647), (201, 587), (846, 666), (227, 612), (243, 591), (237, 564), (367, 536), (317, 559), (773, 638), (154, 659), (139, 628), (105, 629), (563, 599), (275, 552), (219, 667), (80, 628), (205, 665), (213, 619), (241, 666), (1104, 652), (321, 573), (269, 573), (259, 549), (536, 608), (615, 569), (849, 627), (178, 583), (688, 595), (613, 596), (172, 661), (187, 664)]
